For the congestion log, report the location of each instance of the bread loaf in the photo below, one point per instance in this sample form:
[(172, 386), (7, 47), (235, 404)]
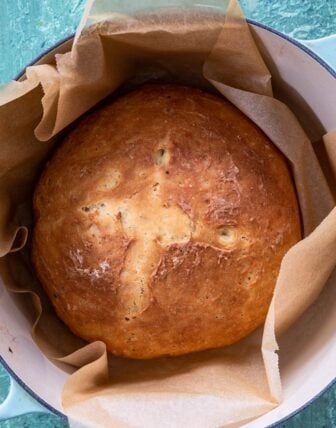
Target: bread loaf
[(161, 222)]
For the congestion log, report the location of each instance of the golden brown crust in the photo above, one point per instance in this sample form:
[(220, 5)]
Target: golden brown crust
[(161, 223)]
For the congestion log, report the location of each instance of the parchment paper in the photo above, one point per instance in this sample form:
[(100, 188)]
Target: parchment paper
[(193, 44)]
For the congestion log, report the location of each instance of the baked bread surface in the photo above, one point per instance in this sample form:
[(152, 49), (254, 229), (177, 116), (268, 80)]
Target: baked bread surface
[(161, 222)]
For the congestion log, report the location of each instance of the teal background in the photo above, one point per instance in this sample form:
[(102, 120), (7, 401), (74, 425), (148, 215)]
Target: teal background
[(29, 27)]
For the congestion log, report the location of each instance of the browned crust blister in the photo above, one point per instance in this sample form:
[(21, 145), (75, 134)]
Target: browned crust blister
[(161, 223)]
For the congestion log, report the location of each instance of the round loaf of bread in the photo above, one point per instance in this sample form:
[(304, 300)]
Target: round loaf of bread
[(161, 222)]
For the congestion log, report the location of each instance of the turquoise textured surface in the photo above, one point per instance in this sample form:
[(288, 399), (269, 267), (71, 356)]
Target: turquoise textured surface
[(4, 384), (29, 27)]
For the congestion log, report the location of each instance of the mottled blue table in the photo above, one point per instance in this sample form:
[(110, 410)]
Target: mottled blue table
[(29, 27)]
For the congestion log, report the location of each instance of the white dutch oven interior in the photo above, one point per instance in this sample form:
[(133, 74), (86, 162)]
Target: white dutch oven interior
[(308, 351)]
